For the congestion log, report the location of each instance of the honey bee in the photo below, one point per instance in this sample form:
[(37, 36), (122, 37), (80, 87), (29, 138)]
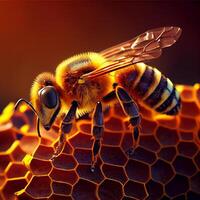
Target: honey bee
[(84, 84)]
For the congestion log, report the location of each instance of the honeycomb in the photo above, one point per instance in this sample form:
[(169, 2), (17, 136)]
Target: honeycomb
[(165, 164)]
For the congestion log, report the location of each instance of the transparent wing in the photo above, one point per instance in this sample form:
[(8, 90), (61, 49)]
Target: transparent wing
[(144, 47)]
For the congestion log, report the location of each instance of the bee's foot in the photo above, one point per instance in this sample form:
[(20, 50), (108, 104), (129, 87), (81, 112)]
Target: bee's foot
[(130, 151), (53, 157), (56, 154), (92, 168), (57, 151)]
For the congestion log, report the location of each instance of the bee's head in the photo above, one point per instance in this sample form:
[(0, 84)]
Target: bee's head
[(45, 100), (48, 105), (45, 97)]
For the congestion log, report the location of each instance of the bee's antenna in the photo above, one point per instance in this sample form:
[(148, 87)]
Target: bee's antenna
[(27, 102), (33, 109)]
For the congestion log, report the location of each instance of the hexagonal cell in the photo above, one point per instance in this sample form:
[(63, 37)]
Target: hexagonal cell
[(137, 171), (39, 167), (4, 161), (61, 188), (149, 142), (144, 155), (134, 189), (68, 176), (167, 153), (16, 170), (187, 148), (44, 152), (167, 136), (187, 123), (39, 186), (148, 126), (64, 162), (6, 139), (13, 186), (161, 171), (83, 156), (114, 124), (190, 108), (178, 185), (195, 183), (110, 189), (114, 172), (155, 190), (113, 155), (184, 166), (84, 189), (84, 171), (111, 138), (81, 141)]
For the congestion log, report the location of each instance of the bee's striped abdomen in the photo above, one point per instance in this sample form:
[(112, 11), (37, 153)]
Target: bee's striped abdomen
[(145, 82), (150, 86)]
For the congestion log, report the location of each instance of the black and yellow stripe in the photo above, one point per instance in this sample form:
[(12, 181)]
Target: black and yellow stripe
[(154, 89)]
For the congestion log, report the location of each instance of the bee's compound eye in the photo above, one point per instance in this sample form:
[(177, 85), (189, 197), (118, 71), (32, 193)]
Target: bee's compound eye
[(48, 96)]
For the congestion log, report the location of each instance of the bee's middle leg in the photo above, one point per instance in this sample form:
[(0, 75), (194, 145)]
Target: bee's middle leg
[(66, 127), (97, 132), (130, 108)]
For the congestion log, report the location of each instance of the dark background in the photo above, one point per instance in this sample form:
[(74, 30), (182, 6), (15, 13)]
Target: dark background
[(36, 36)]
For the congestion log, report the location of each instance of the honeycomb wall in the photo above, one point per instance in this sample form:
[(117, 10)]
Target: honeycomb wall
[(165, 164)]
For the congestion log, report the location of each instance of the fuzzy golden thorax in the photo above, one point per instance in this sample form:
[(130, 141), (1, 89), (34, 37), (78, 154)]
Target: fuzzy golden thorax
[(86, 92)]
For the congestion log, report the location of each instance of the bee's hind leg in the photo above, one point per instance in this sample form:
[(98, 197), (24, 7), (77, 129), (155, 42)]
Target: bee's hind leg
[(130, 108), (66, 127), (97, 132)]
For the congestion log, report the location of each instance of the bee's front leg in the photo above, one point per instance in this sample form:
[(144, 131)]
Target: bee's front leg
[(97, 132), (130, 108), (66, 127)]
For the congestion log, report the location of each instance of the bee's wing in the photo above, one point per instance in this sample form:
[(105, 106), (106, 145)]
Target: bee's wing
[(146, 46)]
